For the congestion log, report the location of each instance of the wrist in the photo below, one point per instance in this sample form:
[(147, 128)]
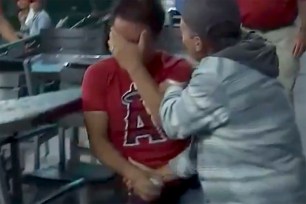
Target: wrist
[(166, 173), (136, 69), (130, 172)]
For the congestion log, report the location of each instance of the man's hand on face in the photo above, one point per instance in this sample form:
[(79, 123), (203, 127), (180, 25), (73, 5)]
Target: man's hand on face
[(128, 55), (299, 44)]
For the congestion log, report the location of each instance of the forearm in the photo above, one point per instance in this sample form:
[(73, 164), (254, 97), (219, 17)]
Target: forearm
[(167, 174), (302, 13), (7, 31), (169, 115), (148, 90), (108, 155), (195, 110)]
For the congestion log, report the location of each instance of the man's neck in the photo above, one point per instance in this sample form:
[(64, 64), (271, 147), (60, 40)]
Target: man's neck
[(150, 57)]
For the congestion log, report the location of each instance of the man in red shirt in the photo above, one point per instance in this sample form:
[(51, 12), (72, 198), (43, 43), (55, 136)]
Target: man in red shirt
[(117, 123), (276, 21), (6, 31)]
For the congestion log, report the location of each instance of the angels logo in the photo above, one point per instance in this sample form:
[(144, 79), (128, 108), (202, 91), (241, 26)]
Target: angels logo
[(138, 124)]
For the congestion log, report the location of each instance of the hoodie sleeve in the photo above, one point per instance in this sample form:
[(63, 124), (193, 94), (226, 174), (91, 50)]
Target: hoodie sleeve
[(184, 165), (201, 106)]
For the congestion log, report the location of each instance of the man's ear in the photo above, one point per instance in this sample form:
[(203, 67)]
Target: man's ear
[(198, 44)]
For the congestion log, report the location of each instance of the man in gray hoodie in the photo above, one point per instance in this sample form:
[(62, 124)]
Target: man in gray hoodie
[(246, 146)]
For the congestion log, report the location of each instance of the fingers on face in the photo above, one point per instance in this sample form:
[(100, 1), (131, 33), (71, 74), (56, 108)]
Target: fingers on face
[(143, 40), (111, 47), (112, 36), (110, 41)]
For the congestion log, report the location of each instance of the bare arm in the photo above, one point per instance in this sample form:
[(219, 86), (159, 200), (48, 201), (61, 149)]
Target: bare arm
[(96, 125), (153, 93), (7, 31), (198, 108), (148, 90), (302, 13)]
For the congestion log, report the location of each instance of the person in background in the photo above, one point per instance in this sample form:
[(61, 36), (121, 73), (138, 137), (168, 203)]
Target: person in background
[(179, 5), (113, 91), (41, 19), (24, 8), (167, 5), (276, 21), (6, 30)]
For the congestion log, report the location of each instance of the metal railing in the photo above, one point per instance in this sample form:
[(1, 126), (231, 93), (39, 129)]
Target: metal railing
[(20, 48), (68, 188)]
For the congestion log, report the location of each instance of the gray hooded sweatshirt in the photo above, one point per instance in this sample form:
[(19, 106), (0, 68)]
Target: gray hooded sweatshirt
[(246, 147)]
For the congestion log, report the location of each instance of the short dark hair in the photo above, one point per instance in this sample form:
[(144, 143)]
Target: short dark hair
[(147, 12), (215, 20), (224, 34)]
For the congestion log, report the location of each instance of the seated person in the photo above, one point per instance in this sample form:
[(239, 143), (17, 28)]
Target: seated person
[(247, 147), (41, 19), (117, 123)]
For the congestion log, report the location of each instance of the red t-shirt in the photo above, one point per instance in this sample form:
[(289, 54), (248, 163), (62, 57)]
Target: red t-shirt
[(107, 87), (267, 14)]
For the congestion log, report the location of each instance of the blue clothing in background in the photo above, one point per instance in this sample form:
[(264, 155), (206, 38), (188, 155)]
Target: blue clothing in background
[(179, 5), (40, 21)]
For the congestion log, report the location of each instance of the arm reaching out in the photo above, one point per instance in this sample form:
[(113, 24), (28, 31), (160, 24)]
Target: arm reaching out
[(198, 108)]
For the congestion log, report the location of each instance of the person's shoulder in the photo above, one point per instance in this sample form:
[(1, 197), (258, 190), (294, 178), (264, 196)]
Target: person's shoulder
[(173, 61), (105, 63), (103, 67), (44, 14), (175, 67)]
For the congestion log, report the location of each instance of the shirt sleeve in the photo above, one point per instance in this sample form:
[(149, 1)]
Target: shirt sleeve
[(200, 107), (184, 165), (94, 88)]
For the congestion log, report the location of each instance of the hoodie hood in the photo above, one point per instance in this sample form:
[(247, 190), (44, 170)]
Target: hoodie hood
[(254, 52)]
